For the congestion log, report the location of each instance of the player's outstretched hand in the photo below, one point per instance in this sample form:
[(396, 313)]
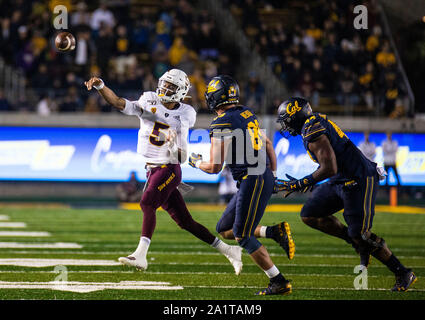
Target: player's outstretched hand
[(93, 82), (171, 137), (195, 159), (280, 185), (171, 141), (291, 185)]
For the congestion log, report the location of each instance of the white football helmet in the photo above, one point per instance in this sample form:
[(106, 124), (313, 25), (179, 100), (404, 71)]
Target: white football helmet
[(178, 89)]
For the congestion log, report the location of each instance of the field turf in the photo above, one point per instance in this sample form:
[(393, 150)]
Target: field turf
[(323, 267)]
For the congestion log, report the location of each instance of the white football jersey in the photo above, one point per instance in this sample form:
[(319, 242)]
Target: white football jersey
[(155, 122)]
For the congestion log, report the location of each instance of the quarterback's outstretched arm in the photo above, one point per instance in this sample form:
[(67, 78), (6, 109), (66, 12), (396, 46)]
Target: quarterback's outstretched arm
[(107, 94)]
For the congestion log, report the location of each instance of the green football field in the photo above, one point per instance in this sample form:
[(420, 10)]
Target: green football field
[(58, 252)]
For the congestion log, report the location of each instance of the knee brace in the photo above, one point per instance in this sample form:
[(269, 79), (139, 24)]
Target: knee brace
[(370, 243), (250, 244)]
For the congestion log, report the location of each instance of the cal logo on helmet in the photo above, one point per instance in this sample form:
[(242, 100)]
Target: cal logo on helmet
[(212, 86), (292, 109)]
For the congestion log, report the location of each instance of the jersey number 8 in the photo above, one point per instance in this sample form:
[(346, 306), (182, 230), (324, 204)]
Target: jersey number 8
[(255, 134)]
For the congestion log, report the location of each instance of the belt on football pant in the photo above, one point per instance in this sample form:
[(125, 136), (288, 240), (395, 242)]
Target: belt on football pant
[(150, 166)]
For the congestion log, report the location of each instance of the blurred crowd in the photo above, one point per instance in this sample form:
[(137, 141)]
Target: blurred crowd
[(129, 54), (319, 55)]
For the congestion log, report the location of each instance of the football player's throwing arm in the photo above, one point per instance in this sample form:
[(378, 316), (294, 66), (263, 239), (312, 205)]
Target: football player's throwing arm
[(105, 92)]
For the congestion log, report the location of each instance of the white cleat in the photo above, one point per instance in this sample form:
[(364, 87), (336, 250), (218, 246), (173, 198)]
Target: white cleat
[(138, 263), (235, 257)]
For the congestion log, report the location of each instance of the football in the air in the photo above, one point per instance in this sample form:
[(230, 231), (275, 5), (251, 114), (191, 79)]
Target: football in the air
[(65, 41)]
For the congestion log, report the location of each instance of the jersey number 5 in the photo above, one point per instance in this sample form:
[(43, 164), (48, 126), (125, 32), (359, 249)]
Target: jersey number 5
[(157, 138)]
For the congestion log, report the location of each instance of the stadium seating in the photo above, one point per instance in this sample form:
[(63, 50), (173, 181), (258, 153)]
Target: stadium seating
[(308, 44)]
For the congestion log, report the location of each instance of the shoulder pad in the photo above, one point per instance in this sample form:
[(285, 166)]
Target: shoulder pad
[(221, 125), (312, 128), (222, 120), (149, 97), (190, 114)]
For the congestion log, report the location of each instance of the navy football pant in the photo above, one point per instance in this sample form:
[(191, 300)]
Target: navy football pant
[(358, 202), (246, 208)]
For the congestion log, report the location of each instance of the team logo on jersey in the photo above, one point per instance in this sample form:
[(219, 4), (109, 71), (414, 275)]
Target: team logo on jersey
[(212, 86), (153, 110), (292, 109), (166, 115)]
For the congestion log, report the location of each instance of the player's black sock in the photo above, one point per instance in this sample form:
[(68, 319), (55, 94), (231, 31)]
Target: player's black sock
[(278, 278), (395, 265), (269, 232)]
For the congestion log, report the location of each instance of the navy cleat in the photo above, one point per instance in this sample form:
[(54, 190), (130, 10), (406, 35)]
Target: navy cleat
[(274, 288), (282, 235), (404, 281)]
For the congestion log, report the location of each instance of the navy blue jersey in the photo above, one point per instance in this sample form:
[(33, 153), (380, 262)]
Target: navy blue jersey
[(352, 164), (248, 146)]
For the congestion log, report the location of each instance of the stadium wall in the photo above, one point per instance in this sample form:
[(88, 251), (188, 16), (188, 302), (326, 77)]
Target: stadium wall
[(102, 191)]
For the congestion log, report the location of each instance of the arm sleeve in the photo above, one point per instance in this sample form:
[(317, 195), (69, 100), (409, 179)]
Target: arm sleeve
[(132, 108)]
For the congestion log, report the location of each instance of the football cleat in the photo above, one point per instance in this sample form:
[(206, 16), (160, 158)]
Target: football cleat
[(139, 263), (282, 235), (235, 257), (282, 288), (404, 281)]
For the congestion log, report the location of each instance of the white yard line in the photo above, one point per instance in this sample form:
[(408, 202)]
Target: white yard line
[(13, 225), (195, 273), (4, 217), (203, 253), (24, 234), (201, 246), (56, 245), (54, 262), (84, 287)]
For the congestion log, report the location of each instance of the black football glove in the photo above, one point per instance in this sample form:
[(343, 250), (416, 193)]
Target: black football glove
[(293, 184)]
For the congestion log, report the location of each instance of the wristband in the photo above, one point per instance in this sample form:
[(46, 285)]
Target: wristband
[(274, 174), (308, 180), (100, 86)]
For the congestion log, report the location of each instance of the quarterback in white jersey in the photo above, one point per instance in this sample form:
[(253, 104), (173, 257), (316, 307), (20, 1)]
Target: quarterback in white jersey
[(162, 141), (156, 121)]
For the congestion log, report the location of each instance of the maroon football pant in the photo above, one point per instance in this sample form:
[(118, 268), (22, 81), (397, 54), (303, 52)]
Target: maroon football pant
[(161, 191)]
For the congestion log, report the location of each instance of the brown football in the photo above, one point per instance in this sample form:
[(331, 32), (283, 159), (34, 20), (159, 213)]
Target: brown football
[(65, 41)]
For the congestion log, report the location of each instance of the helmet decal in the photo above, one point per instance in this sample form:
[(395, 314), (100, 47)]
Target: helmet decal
[(212, 86), (232, 91)]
